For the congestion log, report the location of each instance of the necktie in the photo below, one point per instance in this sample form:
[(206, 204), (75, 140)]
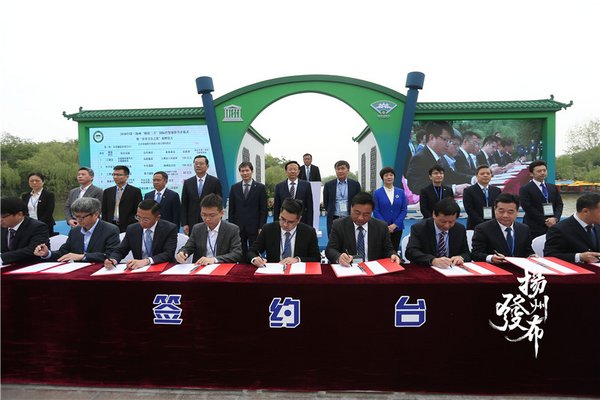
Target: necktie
[(287, 247), (510, 241), (200, 186), (308, 173), (471, 163), (11, 238), (148, 242), (158, 197), (485, 193), (117, 202), (292, 190), (441, 249), (592, 233), (544, 191), (360, 243), (246, 190)]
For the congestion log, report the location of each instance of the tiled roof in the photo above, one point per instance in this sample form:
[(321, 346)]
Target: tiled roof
[(146, 113), (491, 106)]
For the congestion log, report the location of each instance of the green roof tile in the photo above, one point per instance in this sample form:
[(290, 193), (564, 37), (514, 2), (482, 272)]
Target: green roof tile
[(491, 106), (146, 113)]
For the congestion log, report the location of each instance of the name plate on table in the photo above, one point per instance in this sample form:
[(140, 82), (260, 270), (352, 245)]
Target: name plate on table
[(547, 266), (309, 268)]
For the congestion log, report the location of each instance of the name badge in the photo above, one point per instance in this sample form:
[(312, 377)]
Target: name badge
[(487, 212), (343, 206), (548, 210)]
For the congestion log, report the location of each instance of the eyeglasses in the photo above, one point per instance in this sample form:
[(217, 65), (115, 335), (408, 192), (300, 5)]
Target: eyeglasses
[(288, 221), (81, 218), (445, 139), (143, 219), (209, 216)]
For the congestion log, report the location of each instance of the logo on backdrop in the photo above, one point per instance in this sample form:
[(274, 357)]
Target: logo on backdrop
[(98, 136), (232, 113), (167, 311), (410, 315), (383, 108), (522, 313), (284, 314)]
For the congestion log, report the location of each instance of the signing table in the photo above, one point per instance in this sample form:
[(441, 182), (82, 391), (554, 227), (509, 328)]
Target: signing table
[(81, 330)]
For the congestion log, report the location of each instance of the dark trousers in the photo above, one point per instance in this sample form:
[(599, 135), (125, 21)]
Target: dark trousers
[(396, 237)]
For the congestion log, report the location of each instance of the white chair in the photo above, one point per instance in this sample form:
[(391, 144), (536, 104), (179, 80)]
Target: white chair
[(470, 233), (538, 245), (403, 244), (57, 241), (129, 255), (182, 239)]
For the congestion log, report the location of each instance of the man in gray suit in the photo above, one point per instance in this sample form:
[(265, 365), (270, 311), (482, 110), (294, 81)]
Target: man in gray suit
[(358, 237), (214, 240), (85, 177), (89, 241)]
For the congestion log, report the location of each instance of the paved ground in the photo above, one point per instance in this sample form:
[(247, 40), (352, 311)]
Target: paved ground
[(44, 392)]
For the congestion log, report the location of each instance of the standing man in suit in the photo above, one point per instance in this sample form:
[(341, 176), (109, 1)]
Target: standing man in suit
[(488, 152), (286, 241), (359, 237), (503, 237), (540, 200), (119, 202), (214, 240), (309, 172), (40, 201), (439, 241), (194, 190), (479, 198), (466, 155), (85, 177), (338, 193), (89, 241), (170, 205), (248, 206), (20, 235), (151, 241), (296, 189), (435, 192), (577, 238)]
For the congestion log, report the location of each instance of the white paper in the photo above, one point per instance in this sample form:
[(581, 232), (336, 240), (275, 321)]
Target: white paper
[(596, 264), (66, 268), (298, 268), (271, 269), (35, 268), (478, 269), (453, 271), (118, 269), (530, 266), (376, 268), (207, 269), (342, 271), (179, 269), (556, 266)]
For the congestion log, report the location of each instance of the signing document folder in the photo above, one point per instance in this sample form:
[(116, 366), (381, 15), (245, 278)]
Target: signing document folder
[(122, 269), (471, 269), (368, 268), (50, 268), (547, 266), (300, 268), (193, 269)]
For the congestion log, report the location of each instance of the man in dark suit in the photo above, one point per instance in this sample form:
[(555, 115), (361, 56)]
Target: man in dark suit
[(438, 134), (479, 198), (577, 238), (85, 177), (296, 189), (435, 192), (119, 203), (309, 172), (540, 200), (506, 159), (151, 240), (488, 154), (214, 240), (496, 239), (248, 205), (286, 241), (439, 241), (170, 205), (20, 234), (89, 241), (338, 193), (359, 237), (194, 190), (470, 145)]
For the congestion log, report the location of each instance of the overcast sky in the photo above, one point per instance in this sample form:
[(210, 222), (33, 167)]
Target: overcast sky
[(60, 55)]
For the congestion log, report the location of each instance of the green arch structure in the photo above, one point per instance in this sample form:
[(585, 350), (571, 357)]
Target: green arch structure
[(356, 93)]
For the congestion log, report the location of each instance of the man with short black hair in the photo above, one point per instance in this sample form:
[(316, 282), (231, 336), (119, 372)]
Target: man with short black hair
[(488, 154), (286, 241), (119, 202), (466, 155), (338, 193), (151, 241), (20, 234), (309, 171), (435, 192), (439, 241), (85, 177), (577, 238), (170, 204), (479, 198), (296, 189)]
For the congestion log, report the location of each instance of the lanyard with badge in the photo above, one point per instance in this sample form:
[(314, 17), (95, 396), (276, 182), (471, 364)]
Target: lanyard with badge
[(547, 206), (440, 193), (286, 243), (487, 210), (342, 203), (210, 245)]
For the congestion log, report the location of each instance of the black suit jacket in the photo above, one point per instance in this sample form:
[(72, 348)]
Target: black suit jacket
[(489, 238), (482, 160), (329, 193), (315, 174), (463, 165), (568, 238), (306, 246), (532, 201), (342, 239), (104, 239), (45, 208), (130, 199), (170, 205), (250, 214), (422, 244), (474, 201), (417, 175), (30, 234), (164, 242), (428, 197), (303, 192), (190, 201)]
